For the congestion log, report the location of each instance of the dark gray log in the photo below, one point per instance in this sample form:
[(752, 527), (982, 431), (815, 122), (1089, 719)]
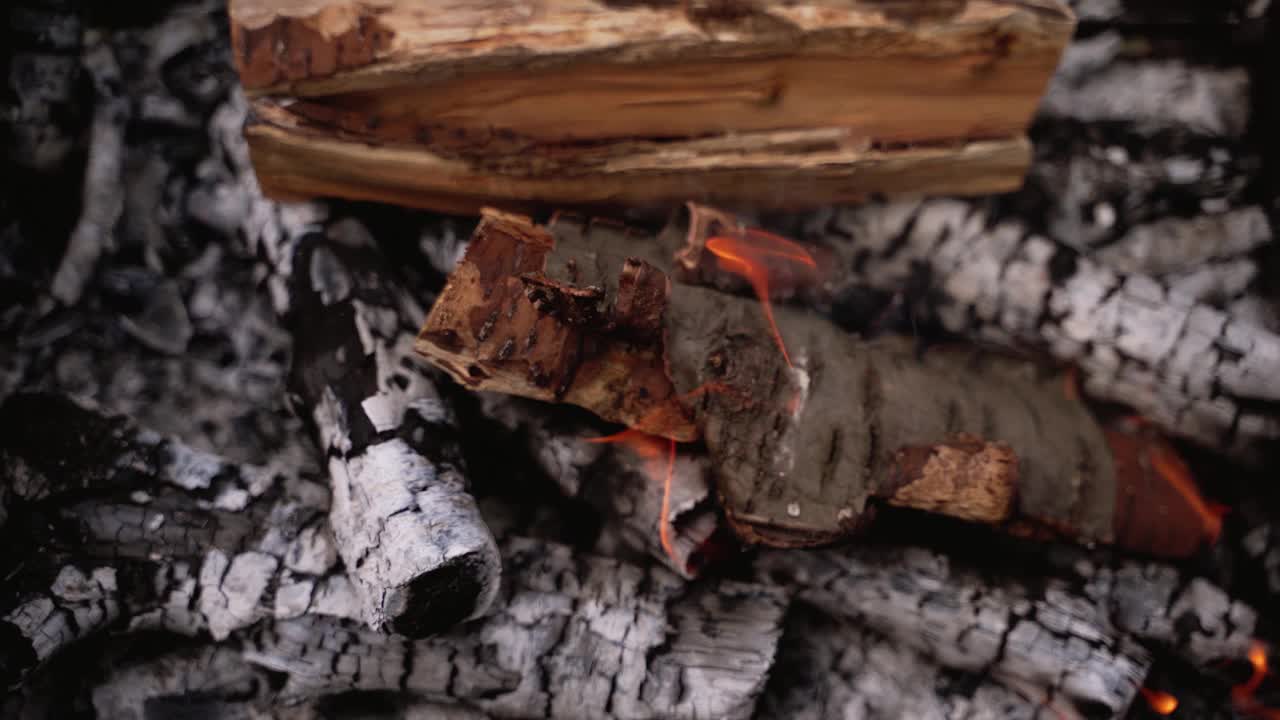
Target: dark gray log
[(112, 525), (1189, 368), (1050, 638), (572, 637)]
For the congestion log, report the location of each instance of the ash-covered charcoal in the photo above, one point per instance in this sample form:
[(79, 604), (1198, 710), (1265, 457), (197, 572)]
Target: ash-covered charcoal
[(1047, 638), (411, 535), (1191, 369), (115, 526), (570, 637), (830, 668)]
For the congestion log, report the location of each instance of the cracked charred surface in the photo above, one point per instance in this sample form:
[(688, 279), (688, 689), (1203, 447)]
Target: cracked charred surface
[(114, 526), (410, 534), (1071, 636), (573, 636), (1194, 370)]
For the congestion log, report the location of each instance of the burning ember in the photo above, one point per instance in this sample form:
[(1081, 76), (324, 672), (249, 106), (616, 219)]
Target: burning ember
[(751, 256), (1162, 703)]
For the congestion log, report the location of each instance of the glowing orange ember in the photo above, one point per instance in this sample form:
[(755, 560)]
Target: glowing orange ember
[(1165, 461), (1161, 702), (750, 256), (1243, 693)]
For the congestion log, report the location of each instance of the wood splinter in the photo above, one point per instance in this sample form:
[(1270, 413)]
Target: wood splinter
[(807, 427)]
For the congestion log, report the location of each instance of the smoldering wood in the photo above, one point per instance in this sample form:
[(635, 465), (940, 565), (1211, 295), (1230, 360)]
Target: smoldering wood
[(572, 637), (416, 548), (1182, 245), (1050, 638), (42, 110), (116, 526), (833, 668), (1147, 12), (609, 103), (577, 322), (1191, 369), (619, 483)]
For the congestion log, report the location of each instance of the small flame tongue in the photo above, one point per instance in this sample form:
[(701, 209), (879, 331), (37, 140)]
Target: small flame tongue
[(751, 255), (651, 449)]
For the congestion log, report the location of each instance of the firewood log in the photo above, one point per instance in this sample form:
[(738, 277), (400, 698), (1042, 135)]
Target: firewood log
[(642, 103), (571, 637), (112, 525), (409, 532), (588, 316)]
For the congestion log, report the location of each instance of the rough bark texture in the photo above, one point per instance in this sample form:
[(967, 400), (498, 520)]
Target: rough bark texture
[(583, 313), (417, 550), (643, 103), (573, 637), (112, 526)]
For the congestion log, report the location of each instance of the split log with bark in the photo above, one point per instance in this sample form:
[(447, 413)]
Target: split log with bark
[(410, 534), (594, 315), (648, 103)]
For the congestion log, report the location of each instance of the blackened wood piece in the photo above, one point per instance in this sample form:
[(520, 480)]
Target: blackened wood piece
[(111, 525), (571, 637), (409, 532)]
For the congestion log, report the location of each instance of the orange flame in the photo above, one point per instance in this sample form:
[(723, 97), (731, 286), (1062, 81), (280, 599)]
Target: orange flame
[(749, 256), (1243, 693), (650, 449), (1165, 461), (1161, 702)]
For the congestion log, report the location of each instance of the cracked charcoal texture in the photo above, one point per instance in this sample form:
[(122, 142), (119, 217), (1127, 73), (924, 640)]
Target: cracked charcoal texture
[(573, 636), (134, 130), (121, 527)]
